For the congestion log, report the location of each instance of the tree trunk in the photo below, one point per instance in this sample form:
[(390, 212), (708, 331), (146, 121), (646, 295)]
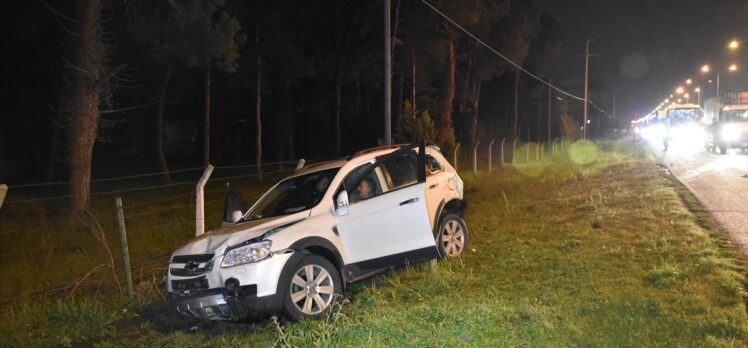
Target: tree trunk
[(166, 175), (84, 103), (206, 119), (476, 101), (258, 103), (515, 103), (338, 134), (445, 124)]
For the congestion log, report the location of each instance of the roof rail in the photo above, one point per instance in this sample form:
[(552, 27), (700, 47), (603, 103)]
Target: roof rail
[(383, 147)]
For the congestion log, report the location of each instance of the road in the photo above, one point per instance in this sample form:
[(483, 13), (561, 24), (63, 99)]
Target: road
[(720, 182)]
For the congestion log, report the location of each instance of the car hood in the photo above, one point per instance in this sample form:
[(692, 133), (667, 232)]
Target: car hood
[(216, 241)]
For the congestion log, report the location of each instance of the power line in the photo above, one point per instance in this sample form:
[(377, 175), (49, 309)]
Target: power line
[(513, 63)]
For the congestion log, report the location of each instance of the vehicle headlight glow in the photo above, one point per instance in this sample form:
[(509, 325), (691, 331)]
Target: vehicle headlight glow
[(688, 133), (246, 254), (730, 133), (654, 133)]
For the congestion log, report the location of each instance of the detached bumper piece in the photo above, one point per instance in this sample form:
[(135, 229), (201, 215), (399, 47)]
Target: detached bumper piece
[(222, 304)]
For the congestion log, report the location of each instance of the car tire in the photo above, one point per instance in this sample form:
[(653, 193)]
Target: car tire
[(723, 149), (452, 236), (308, 296)]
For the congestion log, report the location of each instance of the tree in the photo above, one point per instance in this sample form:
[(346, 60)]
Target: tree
[(87, 75), (192, 33)]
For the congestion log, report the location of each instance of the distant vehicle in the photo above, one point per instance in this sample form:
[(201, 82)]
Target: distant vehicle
[(684, 126), (727, 120), (328, 224)]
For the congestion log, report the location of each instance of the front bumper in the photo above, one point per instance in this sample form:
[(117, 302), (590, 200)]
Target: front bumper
[(221, 304), (203, 294)]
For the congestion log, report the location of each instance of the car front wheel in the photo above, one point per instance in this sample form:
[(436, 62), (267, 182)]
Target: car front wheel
[(452, 237), (310, 288)]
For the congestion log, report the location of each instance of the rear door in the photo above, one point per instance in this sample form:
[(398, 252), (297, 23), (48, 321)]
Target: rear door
[(387, 223)]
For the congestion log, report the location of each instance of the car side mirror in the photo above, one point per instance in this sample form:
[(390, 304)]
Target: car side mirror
[(341, 205)]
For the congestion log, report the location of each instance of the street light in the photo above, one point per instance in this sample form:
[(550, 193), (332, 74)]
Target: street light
[(679, 90), (688, 82), (705, 68), (733, 67), (734, 44)]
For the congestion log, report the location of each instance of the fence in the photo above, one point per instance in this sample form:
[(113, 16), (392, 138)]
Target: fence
[(44, 251), (485, 154)]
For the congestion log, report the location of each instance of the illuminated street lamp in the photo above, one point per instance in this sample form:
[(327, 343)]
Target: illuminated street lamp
[(688, 82), (733, 67), (688, 98), (679, 90), (705, 68), (734, 44)]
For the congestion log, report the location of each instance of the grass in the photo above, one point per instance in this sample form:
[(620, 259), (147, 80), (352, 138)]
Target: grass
[(608, 254)]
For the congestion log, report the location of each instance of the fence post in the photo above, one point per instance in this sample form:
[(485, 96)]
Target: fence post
[(542, 151), (514, 150), (123, 248), (200, 202), (3, 192), (502, 151), (490, 154), (457, 148), (527, 153), (475, 157)]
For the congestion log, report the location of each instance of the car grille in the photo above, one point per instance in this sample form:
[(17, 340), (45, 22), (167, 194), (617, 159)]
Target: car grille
[(191, 266), (199, 258)]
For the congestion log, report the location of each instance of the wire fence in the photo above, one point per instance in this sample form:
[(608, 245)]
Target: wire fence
[(45, 251)]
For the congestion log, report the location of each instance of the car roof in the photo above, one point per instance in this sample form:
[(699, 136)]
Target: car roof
[(369, 153)]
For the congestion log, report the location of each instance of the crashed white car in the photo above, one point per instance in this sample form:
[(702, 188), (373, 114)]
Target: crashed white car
[(326, 225)]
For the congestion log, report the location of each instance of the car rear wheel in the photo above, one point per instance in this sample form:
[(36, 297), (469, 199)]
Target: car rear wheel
[(452, 237), (310, 288)]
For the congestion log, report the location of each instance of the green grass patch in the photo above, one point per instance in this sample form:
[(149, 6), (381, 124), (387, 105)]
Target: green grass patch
[(610, 253)]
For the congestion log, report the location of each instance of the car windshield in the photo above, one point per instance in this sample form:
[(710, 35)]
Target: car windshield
[(293, 195)]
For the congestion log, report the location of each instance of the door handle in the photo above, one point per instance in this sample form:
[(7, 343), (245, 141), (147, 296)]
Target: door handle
[(409, 201)]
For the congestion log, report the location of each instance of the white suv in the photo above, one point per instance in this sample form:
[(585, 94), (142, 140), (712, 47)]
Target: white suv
[(326, 225)]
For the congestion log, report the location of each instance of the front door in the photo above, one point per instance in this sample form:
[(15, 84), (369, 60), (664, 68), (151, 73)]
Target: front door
[(387, 223)]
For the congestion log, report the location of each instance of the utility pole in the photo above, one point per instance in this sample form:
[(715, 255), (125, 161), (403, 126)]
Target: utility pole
[(586, 90), (614, 102), (387, 76), (549, 111)]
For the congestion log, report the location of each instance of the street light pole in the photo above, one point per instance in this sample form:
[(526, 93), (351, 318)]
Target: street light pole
[(549, 113), (586, 80), (387, 76)]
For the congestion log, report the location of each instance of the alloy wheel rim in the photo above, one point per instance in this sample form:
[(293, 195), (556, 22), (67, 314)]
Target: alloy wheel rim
[(452, 238), (312, 289)]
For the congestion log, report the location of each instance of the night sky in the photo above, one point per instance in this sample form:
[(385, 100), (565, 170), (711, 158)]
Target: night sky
[(647, 47)]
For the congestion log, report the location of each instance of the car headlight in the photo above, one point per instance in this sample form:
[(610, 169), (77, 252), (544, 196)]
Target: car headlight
[(246, 254), (730, 133)]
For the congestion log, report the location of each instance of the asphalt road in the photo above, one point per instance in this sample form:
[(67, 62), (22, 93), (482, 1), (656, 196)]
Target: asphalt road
[(720, 182)]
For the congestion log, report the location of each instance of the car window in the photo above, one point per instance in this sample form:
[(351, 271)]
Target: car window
[(293, 195), (367, 187), (432, 165), (400, 170)]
